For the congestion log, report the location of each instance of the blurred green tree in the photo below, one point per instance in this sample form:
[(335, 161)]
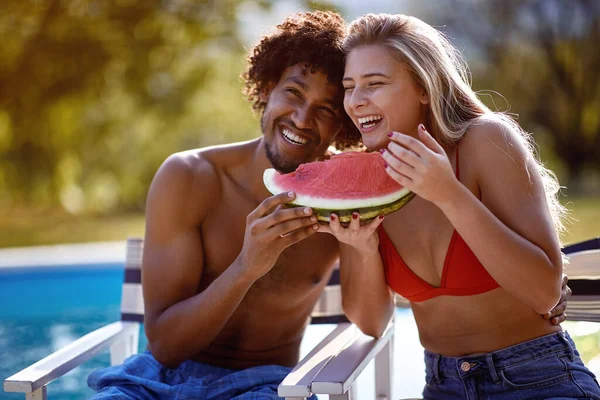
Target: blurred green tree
[(542, 55), (95, 93)]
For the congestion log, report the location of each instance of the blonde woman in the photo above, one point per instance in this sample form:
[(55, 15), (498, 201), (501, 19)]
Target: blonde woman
[(477, 251)]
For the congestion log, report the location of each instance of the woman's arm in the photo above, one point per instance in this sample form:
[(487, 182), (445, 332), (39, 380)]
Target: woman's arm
[(366, 298), (510, 230)]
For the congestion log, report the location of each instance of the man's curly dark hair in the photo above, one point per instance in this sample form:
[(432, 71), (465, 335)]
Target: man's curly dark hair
[(313, 38)]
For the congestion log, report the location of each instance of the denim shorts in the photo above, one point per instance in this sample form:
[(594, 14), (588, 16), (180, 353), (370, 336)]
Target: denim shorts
[(548, 367), (142, 377)]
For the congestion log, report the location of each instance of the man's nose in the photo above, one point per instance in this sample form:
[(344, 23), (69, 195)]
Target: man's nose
[(302, 118)]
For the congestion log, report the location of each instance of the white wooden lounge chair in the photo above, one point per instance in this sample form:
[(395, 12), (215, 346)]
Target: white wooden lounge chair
[(332, 367)]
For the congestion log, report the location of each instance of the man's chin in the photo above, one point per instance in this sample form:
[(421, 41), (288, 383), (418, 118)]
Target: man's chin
[(284, 168), (281, 165)]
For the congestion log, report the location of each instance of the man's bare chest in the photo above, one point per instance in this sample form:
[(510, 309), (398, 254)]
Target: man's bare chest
[(298, 267)]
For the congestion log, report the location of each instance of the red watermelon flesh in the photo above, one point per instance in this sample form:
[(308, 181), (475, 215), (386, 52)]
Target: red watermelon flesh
[(353, 174), (347, 181)]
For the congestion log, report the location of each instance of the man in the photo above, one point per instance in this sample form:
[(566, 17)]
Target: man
[(230, 276)]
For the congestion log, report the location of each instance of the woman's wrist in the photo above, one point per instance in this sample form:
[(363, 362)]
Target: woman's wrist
[(456, 197), (364, 250)]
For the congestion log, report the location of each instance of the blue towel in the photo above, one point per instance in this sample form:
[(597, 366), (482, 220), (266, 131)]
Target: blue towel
[(142, 377)]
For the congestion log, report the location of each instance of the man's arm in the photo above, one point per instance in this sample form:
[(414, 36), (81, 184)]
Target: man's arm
[(558, 314), (179, 321)]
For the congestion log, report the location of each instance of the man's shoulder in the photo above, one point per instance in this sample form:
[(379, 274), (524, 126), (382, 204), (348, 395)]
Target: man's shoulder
[(199, 171), (186, 168)]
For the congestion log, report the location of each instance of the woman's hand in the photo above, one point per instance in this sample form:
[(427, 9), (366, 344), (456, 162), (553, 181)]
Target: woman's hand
[(421, 166), (361, 237)]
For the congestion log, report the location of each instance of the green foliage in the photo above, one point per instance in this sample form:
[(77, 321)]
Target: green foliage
[(97, 94), (321, 6), (542, 56)]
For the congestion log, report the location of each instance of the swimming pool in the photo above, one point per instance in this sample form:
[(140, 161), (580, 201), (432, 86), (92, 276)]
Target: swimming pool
[(45, 308), (50, 296)]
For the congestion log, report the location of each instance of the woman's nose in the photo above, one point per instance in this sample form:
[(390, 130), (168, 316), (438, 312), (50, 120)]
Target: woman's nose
[(357, 99)]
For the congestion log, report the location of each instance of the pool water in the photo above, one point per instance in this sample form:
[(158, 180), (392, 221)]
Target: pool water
[(44, 309)]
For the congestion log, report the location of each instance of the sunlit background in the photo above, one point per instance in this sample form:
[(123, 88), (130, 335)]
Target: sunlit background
[(95, 94)]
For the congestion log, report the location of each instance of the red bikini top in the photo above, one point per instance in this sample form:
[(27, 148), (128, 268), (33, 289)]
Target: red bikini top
[(462, 275)]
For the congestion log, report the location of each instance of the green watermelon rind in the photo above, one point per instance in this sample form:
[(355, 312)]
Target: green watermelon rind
[(367, 208), (366, 214)]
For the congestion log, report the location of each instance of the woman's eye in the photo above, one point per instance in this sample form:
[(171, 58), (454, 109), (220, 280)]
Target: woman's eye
[(346, 89), (293, 91), (375, 83)]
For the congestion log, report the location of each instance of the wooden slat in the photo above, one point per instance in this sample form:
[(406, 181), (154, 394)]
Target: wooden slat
[(332, 319), (584, 264), (126, 317), (132, 276), (583, 271), (135, 249), (330, 302), (590, 244), (334, 279), (132, 299), (584, 308), (584, 287)]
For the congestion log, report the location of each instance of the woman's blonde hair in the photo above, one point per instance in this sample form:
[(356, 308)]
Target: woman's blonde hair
[(440, 69)]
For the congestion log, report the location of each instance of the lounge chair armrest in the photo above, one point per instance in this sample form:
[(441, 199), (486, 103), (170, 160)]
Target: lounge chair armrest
[(342, 370), (62, 361), (334, 364), (298, 382)]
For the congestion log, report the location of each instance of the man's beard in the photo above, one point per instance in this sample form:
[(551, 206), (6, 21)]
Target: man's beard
[(280, 163), (277, 161)]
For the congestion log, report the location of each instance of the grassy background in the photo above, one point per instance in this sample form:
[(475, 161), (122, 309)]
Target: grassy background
[(26, 227)]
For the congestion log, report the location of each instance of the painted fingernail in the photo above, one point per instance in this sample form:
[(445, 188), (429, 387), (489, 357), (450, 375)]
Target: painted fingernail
[(313, 219), (307, 211), (332, 217), (382, 151), (354, 215), (390, 134), (291, 194), (315, 227), (385, 165), (421, 126), (381, 216)]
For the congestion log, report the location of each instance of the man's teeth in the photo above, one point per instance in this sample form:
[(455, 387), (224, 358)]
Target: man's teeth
[(370, 121), (292, 137)]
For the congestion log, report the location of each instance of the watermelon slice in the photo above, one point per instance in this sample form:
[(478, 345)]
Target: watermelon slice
[(347, 182)]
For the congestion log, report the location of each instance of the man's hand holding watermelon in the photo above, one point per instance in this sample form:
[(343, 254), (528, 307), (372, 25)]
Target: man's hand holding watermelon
[(270, 229)]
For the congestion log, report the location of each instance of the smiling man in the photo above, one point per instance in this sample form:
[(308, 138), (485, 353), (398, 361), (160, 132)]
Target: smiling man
[(230, 277)]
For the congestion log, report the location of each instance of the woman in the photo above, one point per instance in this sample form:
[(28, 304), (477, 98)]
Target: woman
[(477, 250)]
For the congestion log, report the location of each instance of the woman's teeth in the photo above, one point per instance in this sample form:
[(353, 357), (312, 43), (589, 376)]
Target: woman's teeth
[(293, 138), (370, 121)]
